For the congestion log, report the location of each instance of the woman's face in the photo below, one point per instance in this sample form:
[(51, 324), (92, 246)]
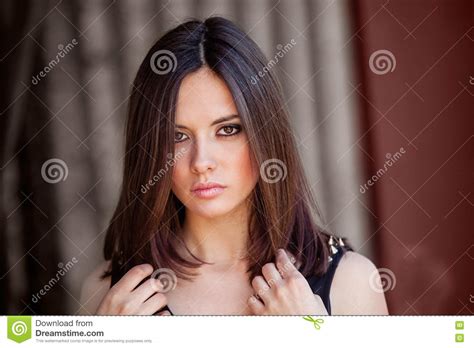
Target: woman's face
[(211, 147)]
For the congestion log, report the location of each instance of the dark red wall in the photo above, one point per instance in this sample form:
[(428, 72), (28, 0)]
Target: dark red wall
[(424, 230)]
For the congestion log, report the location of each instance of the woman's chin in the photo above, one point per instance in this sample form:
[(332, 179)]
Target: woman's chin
[(211, 210)]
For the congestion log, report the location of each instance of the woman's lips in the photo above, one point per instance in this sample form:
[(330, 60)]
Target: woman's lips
[(207, 190), (208, 193)]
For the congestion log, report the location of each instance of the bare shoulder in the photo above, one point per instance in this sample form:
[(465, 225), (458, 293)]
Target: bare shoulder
[(354, 287), (94, 289)]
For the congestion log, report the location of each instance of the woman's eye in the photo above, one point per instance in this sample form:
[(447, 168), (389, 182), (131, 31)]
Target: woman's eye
[(179, 137), (230, 130)]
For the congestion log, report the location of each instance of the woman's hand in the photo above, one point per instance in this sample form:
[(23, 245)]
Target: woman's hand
[(124, 299), (284, 290)]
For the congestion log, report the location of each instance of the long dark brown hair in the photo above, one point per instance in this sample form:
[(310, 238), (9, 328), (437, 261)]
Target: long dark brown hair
[(145, 227)]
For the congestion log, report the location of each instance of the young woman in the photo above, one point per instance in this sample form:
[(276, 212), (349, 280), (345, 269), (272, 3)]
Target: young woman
[(214, 196)]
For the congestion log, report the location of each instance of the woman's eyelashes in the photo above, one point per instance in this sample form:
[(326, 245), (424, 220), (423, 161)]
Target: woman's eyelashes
[(229, 130), (178, 137), (225, 131)]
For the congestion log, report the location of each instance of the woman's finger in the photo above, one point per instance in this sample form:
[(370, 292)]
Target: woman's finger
[(271, 274), (255, 305), (147, 289), (284, 264), (293, 260), (133, 277), (261, 288), (153, 304)]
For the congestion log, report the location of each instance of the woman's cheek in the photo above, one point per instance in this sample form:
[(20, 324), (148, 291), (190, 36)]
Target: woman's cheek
[(245, 158), (178, 177), (246, 168)]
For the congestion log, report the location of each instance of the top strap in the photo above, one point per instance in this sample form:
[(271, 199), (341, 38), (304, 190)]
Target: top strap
[(322, 285)]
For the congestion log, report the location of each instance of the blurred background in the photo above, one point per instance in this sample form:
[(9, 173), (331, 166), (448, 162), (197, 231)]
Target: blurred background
[(381, 101)]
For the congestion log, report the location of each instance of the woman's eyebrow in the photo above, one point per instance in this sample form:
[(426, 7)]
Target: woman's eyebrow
[(219, 120), (224, 119)]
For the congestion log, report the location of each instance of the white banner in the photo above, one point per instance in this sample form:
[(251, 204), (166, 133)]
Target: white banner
[(238, 331)]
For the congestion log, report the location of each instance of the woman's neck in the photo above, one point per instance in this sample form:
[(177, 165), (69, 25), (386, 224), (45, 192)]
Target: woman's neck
[(221, 240)]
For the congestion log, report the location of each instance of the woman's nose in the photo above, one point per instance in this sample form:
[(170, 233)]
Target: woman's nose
[(202, 157)]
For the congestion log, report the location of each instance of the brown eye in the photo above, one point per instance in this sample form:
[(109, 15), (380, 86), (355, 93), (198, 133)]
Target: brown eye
[(230, 130), (179, 137)]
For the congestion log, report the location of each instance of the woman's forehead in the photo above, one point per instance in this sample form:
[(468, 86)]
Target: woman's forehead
[(203, 96)]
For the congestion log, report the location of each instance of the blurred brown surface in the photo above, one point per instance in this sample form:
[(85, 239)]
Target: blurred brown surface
[(424, 203)]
